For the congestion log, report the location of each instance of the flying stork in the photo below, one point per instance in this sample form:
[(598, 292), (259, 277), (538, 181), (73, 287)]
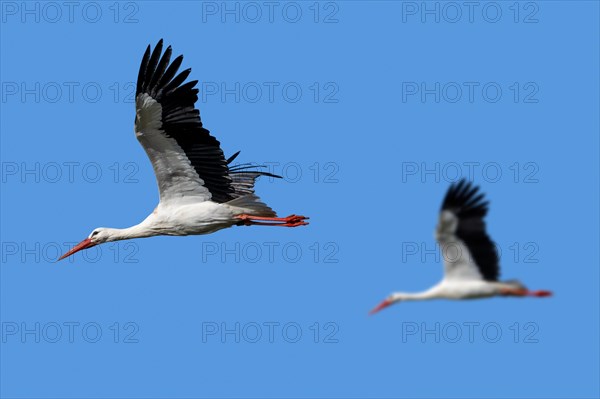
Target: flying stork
[(200, 191), (473, 270)]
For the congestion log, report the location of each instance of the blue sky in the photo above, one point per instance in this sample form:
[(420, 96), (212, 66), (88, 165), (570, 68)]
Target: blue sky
[(369, 112)]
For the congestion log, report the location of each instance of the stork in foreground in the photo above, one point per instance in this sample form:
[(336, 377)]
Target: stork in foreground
[(200, 192), (472, 270)]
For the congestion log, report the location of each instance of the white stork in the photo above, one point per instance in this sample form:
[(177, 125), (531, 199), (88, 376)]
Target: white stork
[(200, 192), (471, 267)]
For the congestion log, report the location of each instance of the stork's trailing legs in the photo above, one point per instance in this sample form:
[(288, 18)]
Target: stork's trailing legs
[(524, 292), (289, 221)]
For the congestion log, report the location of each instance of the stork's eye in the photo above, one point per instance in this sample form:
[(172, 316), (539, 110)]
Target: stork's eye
[(94, 233)]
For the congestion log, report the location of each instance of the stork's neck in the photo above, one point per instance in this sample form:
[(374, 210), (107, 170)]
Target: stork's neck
[(138, 231), (415, 296)]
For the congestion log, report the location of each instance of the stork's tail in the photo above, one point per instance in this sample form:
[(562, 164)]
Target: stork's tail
[(243, 177), (251, 204), (515, 284)]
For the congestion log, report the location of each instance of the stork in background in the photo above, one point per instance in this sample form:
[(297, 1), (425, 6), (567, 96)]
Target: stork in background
[(474, 271), (200, 192)]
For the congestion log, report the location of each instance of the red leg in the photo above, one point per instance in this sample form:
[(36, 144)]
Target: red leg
[(286, 219), (289, 221), (524, 292), (294, 224), (540, 293), (513, 292)]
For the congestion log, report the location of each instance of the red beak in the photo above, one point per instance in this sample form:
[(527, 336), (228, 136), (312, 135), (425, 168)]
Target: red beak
[(87, 243), (381, 306)]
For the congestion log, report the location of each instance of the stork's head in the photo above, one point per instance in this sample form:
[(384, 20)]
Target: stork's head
[(98, 236)]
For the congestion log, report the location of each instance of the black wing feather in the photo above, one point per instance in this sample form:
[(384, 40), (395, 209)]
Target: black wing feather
[(470, 207), (181, 121), (179, 79), (160, 71), (151, 68), (143, 68), (170, 72)]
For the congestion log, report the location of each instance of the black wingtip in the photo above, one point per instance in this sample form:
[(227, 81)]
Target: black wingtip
[(142, 71), (464, 199), (234, 156)]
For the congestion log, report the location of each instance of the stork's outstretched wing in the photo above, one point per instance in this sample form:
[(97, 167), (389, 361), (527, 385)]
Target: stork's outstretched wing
[(468, 251), (188, 162)]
